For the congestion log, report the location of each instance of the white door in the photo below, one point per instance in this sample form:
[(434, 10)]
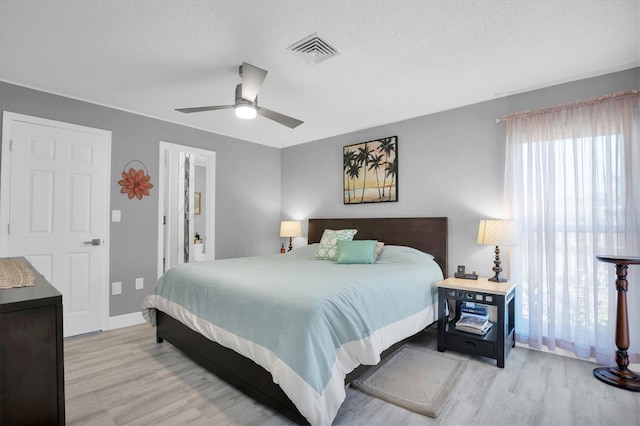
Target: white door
[(179, 241), (55, 204)]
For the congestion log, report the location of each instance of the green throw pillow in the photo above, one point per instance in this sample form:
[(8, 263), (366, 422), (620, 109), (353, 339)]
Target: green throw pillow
[(360, 251), (329, 242)]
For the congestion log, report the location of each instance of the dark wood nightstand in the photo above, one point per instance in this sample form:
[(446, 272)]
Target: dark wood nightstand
[(499, 339)]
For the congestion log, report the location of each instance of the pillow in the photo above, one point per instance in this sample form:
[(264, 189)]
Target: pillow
[(379, 246), (329, 242), (360, 251)]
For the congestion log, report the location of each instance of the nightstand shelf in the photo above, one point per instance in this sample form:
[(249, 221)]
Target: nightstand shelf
[(499, 339)]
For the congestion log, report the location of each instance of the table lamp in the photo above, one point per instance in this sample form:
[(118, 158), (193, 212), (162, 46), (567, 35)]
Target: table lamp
[(290, 228), (497, 233)]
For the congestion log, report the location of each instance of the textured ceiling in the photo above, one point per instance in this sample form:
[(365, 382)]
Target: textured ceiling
[(401, 59)]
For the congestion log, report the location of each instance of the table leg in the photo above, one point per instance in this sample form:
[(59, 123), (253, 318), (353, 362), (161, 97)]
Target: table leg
[(620, 375), (442, 319), (502, 330)]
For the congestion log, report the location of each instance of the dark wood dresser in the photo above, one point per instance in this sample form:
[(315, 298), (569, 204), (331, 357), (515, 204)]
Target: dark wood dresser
[(31, 354)]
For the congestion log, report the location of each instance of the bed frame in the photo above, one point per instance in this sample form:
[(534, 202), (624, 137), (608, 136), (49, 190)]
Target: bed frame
[(425, 234)]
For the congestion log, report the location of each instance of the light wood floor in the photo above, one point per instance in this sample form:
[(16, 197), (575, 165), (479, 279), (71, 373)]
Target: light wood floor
[(124, 377)]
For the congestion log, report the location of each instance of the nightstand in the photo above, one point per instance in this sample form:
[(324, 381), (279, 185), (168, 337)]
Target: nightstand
[(499, 339)]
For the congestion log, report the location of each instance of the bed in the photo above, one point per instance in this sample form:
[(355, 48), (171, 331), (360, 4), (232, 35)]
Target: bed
[(310, 379)]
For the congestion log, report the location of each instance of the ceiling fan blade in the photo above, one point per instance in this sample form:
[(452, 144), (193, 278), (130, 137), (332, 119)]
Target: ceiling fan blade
[(280, 118), (206, 108), (252, 78)]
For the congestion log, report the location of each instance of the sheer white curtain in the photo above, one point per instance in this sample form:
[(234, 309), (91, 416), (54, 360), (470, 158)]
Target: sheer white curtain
[(572, 183)]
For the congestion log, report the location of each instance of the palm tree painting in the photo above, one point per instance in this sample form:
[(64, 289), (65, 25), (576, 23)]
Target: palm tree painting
[(370, 171)]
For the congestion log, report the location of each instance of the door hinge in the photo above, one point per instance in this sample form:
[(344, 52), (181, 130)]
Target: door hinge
[(8, 228), (10, 144), (164, 220)]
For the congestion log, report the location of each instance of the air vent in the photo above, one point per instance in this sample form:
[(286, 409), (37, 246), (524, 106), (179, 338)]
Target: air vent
[(314, 49)]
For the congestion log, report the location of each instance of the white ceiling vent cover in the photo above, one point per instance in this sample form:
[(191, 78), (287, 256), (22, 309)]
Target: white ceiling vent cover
[(314, 49)]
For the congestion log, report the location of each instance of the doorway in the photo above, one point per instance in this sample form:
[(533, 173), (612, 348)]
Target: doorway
[(186, 205)]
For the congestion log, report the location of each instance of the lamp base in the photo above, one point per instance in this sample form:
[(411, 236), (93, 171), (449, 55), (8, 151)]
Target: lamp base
[(497, 279), (497, 269)]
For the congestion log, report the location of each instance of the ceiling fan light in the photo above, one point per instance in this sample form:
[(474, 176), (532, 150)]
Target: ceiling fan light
[(246, 111)]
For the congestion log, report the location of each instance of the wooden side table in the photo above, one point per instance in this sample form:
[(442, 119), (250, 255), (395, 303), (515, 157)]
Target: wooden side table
[(499, 339), (620, 375)]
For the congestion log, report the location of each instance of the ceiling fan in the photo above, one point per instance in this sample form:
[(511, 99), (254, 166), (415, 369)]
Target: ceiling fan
[(246, 105)]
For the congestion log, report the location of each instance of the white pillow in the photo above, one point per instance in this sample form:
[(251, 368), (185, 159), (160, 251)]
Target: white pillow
[(328, 247)]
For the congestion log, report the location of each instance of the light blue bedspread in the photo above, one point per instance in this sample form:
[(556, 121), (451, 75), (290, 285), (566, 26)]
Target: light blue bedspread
[(297, 315)]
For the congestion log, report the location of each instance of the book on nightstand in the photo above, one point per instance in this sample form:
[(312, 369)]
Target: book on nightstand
[(470, 324), (474, 318), (474, 308)]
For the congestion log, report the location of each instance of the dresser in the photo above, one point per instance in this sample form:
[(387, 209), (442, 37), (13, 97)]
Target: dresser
[(31, 354)]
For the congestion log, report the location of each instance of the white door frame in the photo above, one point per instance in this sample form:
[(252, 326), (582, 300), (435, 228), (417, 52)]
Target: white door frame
[(209, 198), (8, 118)]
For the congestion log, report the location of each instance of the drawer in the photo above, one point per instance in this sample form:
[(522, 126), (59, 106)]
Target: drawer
[(470, 344)]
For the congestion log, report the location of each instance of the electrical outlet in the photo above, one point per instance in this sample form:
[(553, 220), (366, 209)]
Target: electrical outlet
[(116, 288), (115, 216), (139, 283)]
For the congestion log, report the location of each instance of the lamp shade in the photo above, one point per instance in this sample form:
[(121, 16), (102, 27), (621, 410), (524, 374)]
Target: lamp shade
[(497, 232), (290, 228)]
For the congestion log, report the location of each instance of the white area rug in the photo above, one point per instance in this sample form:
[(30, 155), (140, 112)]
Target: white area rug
[(415, 378)]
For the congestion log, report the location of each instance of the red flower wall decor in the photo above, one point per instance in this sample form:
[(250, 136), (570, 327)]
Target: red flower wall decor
[(135, 183)]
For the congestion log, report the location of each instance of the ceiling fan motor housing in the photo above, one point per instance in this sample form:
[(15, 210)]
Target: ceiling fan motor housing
[(242, 101)]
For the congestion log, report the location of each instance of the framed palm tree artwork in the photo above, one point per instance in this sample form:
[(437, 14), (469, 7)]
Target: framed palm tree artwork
[(370, 171)]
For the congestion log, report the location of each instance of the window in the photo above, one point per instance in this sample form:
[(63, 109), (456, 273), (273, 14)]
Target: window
[(572, 187)]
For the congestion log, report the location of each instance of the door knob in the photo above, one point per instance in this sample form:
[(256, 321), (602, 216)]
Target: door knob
[(94, 242)]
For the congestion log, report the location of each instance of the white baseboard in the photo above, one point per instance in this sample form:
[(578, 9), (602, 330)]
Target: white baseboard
[(124, 321)]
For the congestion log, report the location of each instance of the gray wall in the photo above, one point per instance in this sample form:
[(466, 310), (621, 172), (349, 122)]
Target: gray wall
[(450, 164), (247, 186)]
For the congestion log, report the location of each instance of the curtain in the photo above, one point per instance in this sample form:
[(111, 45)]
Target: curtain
[(572, 184)]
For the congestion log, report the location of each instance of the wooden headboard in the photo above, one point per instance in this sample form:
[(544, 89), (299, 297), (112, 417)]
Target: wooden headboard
[(427, 234)]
